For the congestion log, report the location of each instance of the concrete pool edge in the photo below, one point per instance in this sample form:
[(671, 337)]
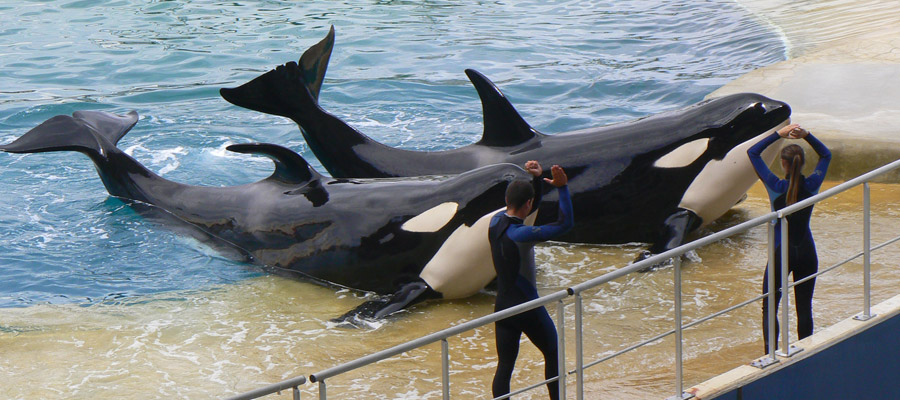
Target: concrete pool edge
[(841, 78), (731, 384)]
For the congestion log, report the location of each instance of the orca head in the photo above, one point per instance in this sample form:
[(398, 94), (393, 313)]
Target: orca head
[(483, 190), (744, 117), (467, 197), (726, 174), (462, 265), (724, 123)]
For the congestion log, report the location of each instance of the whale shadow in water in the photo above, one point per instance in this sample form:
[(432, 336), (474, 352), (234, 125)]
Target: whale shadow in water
[(654, 179)]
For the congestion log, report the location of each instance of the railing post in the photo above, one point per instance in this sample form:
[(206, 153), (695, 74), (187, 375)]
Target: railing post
[(579, 349), (296, 391), (773, 335), (786, 349), (679, 374), (867, 257), (561, 354), (322, 395), (445, 368), (770, 300)]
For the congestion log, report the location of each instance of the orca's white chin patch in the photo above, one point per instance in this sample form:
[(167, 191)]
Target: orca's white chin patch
[(684, 155), (722, 183), (433, 219), (463, 265)]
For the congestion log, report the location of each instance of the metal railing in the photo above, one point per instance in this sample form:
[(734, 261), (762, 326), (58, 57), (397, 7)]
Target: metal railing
[(674, 255), (293, 384)]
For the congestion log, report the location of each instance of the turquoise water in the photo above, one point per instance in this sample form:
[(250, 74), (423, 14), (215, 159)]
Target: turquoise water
[(396, 74)]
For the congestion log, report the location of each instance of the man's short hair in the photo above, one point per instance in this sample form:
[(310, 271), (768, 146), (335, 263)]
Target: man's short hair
[(518, 193)]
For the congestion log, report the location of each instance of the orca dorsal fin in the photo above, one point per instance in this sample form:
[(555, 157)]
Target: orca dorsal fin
[(503, 126), (290, 167)]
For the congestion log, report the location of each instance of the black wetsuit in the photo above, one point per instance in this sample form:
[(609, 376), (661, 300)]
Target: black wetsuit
[(802, 258), (512, 248)]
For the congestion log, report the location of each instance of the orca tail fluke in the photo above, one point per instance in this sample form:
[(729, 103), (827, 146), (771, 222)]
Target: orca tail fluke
[(314, 63), (289, 90), (292, 90), (94, 133)]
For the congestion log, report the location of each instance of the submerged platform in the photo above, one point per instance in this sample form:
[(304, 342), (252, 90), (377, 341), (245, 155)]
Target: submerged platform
[(852, 359)]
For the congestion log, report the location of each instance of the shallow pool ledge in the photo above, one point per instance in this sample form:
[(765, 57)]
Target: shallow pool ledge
[(842, 78), (851, 359), (851, 104)]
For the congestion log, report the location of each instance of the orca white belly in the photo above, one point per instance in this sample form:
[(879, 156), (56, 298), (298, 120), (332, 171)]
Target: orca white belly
[(722, 183)]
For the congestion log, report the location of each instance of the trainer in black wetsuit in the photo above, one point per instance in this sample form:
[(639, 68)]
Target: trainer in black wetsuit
[(802, 258), (512, 249)]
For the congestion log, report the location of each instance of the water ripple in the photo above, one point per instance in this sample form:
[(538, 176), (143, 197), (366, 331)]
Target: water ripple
[(396, 73)]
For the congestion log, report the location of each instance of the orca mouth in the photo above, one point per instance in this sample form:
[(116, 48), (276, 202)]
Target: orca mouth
[(775, 111), (768, 114)]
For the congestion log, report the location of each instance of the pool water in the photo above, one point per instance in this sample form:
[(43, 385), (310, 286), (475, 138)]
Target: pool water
[(396, 74), (96, 302)]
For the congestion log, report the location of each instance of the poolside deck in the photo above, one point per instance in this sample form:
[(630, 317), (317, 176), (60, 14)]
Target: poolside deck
[(842, 77), (851, 359)]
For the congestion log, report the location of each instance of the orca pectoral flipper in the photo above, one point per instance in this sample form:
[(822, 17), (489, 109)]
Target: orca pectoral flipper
[(290, 167), (90, 132), (675, 229), (672, 234), (408, 295)]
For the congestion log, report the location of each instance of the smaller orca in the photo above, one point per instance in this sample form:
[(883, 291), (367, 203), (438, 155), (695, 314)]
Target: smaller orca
[(410, 238), (654, 179)]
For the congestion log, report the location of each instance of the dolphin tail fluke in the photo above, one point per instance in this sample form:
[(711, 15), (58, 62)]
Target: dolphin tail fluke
[(503, 126), (289, 90), (94, 133), (408, 295)]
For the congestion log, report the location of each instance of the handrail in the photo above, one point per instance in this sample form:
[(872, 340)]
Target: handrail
[(578, 289), (440, 335), (292, 383), (656, 259)]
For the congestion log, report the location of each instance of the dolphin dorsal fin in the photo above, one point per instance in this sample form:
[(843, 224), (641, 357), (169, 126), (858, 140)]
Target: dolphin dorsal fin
[(290, 167), (503, 126)]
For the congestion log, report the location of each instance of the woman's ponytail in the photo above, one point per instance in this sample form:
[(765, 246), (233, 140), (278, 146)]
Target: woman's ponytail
[(793, 155), (794, 179)]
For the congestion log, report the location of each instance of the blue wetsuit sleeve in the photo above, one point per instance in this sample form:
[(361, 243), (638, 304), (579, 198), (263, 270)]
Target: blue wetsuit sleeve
[(814, 180), (525, 233), (762, 170), (536, 184)]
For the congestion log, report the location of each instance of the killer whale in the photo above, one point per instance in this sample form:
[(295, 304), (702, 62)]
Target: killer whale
[(653, 179), (388, 236)]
